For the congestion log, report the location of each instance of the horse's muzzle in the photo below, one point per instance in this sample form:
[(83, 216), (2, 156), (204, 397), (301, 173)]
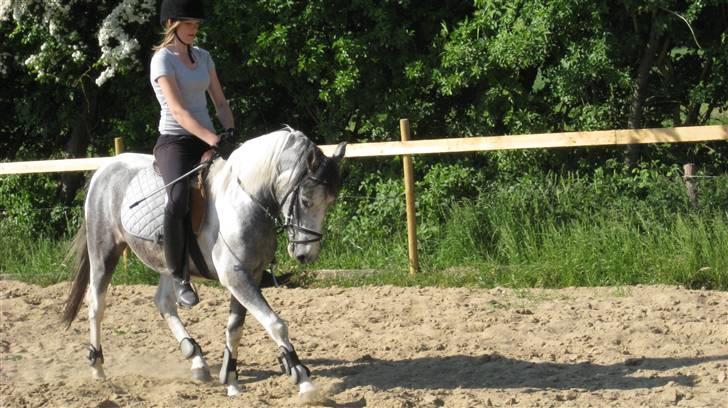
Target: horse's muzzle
[(304, 253)]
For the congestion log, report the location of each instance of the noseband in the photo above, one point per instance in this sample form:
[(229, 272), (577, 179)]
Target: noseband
[(290, 222)]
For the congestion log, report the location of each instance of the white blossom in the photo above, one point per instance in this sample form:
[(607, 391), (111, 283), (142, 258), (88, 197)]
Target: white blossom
[(53, 28), (105, 75), (4, 58), (6, 8), (112, 32), (78, 56), (61, 44), (32, 60)]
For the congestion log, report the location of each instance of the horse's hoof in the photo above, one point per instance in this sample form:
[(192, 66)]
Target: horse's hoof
[(233, 390), (311, 396), (201, 374), (98, 374)]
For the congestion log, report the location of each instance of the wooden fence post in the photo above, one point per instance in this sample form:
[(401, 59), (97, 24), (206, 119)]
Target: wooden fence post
[(118, 146), (409, 191), (119, 149), (691, 183)]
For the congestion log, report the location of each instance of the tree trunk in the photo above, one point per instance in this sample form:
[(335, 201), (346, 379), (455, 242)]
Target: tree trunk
[(634, 121)]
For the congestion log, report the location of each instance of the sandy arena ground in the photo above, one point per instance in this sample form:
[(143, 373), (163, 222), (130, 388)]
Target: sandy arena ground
[(650, 346)]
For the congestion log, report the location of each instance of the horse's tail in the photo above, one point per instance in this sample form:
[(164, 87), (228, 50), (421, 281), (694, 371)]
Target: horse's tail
[(79, 252)]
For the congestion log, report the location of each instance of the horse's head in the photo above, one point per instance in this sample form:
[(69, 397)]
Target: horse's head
[(305, 204)]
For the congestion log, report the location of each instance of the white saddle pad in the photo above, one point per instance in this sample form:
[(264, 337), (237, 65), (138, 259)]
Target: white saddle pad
[(145, 221)]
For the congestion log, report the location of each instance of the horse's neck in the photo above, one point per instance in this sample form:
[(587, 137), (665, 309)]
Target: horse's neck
[(217, 177), (254, 165)]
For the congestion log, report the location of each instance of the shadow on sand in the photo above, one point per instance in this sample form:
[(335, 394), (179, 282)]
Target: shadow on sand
[(494, 371)]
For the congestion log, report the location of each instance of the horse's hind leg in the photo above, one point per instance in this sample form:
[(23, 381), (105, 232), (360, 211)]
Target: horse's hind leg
[(233, 332), (166, 302), (102, 260)]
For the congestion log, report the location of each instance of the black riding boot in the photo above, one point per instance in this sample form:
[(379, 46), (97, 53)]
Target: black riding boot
[(175, 252)]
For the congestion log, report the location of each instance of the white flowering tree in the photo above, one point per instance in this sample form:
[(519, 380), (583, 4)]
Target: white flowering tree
[(60, 56), (70, 40)]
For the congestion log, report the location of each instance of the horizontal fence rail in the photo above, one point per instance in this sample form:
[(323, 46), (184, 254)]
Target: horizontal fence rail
[(450, 145), (53, 166), (536, 141)]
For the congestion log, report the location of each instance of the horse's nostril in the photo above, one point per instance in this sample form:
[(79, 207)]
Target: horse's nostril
[(301, 258)]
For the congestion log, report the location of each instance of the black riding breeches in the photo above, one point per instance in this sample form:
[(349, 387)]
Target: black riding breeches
[(176, 155)]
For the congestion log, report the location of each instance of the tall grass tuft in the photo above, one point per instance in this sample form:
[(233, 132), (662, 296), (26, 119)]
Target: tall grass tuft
[(43, 261), (31, 259)]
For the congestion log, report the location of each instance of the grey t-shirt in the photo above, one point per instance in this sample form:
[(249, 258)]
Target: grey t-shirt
[(192, 84)]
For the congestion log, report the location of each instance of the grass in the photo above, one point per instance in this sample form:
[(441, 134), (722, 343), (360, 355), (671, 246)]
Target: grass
[(549, 235), (43, 261), (692, 251), (39, 260)]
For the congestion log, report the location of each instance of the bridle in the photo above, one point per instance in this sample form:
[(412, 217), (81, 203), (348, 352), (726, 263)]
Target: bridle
[(291, 221), (294, 208)]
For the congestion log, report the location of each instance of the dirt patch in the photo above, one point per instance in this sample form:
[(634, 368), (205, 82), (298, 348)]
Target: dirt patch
[(384, 347)]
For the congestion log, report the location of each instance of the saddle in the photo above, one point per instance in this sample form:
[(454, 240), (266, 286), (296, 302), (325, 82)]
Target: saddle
[(146, 220)]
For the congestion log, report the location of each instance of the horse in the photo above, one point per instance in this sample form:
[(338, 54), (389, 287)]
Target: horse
[(280, 174)]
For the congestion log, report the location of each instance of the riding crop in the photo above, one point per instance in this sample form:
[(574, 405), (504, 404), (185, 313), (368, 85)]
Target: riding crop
[(189, 173)]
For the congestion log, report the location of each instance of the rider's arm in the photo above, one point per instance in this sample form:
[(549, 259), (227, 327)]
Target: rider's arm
[(181, 114)]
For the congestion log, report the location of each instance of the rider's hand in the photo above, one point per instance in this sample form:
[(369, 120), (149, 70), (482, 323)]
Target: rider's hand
[(227, 143), (208, 155)]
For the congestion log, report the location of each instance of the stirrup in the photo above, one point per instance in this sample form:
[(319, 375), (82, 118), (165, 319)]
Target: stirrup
[(184, 287)]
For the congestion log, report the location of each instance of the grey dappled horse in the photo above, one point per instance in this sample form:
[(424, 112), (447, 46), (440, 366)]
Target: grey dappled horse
[(281, 173)]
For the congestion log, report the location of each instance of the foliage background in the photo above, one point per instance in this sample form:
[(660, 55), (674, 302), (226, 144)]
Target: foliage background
[(74, 75)]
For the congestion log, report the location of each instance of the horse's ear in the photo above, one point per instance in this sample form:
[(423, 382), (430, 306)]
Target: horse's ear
[(340, 152)]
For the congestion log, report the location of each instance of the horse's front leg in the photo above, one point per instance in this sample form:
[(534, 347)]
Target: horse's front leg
[(166, 302), (244, 288), (233, 332)]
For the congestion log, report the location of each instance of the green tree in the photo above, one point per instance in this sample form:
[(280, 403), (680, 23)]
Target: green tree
[(74, 73), (70, 74), (530, 66), (339, 69)]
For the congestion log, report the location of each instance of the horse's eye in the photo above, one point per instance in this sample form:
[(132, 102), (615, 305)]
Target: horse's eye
[(306, 203)]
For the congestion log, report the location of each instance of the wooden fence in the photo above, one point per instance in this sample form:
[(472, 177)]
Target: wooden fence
[(406, 148)]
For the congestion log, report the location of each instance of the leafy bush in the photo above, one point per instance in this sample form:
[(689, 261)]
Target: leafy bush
[(443, 186), (373, 209), (28, 207)]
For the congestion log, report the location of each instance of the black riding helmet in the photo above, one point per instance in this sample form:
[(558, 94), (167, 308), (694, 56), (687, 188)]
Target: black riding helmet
[(181, 10)]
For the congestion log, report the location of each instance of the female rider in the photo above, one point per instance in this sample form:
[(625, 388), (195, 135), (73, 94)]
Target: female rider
[(181, 75)]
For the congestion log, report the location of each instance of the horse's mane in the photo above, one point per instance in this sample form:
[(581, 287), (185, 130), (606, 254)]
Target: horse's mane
[(325, 169), (264, 158)]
